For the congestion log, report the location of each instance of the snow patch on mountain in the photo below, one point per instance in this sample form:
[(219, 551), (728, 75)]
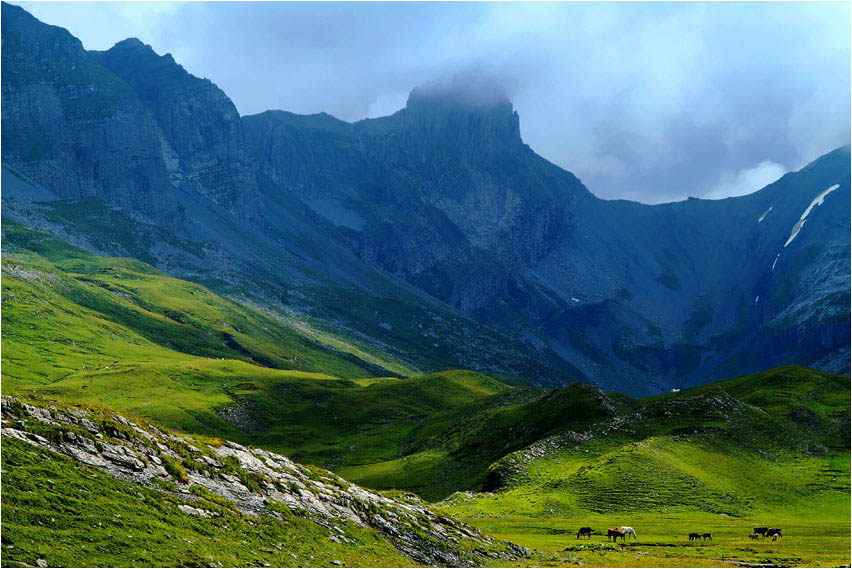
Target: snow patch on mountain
[(765, 213), (799, 224)]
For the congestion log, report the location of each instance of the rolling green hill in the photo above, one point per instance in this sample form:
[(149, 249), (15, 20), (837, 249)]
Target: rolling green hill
[(70, 515), (521, 463)]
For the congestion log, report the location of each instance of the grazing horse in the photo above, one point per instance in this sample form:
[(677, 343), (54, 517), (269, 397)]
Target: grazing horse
[(694, 536), (754, 535), (707, 536), (615, 533), (774, 533), (587, 531), (761, 531), (629, 531)]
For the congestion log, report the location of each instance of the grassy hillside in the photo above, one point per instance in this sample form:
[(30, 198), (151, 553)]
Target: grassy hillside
[(698, 460), (70, 515), (119, 334), (175, 314)]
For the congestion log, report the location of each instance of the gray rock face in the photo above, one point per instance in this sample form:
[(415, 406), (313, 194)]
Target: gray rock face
[(637, 298), (200, 124), (74, 126), (443, 193), (440, 208), (316, 494)]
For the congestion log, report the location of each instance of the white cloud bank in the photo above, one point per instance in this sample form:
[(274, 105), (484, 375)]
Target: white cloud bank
[(748, 180)]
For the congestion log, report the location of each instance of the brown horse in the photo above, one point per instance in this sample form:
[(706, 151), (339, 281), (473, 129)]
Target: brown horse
[(707, 536), (774, 533), (694, 536), (761, 531), (585, 530), (615, 533)]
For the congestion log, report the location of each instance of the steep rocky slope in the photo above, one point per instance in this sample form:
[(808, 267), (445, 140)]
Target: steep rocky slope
[(75, 126), (257, 482), (203, 142), (664, 295), (434, 233)]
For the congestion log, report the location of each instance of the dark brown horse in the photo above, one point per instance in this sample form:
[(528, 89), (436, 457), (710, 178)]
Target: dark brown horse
[(587, 531), (761, 531), (694, 536), (774, 533), (615, 533), (707, 536)]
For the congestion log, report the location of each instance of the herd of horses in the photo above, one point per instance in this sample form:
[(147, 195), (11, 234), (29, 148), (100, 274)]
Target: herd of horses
[(611, 533), (615, 533), (774, 533)]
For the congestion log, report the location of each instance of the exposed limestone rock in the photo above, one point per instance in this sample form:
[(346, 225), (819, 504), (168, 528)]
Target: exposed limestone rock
[(262, 477)]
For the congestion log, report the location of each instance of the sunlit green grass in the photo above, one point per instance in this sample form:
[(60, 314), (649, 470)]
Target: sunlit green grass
[(74, 516), (119, 334), (815, 535), (666, 489)]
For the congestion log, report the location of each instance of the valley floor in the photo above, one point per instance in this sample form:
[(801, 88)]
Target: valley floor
[(811, 503), (810, 540)]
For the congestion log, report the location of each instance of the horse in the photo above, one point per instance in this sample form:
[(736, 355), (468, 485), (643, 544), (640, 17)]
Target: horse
[(761, 531), (629, 531), (694, 536), (754, 535), (774, 533), (615, 533), (707, 536), (587, 531)]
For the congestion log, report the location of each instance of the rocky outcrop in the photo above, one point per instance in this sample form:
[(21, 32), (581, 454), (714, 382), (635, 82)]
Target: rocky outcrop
[(203, 137), (443, 199), (253, 479), (74, 126)]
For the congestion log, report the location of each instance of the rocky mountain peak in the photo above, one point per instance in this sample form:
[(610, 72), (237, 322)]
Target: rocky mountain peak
[(131, 43), (200, 123), (471, 91), (472, 107), (139, 65)]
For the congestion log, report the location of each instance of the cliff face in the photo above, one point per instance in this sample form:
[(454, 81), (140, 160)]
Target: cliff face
[(74, 126), (441, 208), (470, 163), (443, 188), (203, 142)]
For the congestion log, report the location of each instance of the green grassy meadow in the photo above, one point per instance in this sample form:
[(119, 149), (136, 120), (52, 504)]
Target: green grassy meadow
[(764, 449), (811, 539)]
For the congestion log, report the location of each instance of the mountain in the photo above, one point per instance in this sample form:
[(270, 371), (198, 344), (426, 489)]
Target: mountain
[(152, 407), (173, 352), (74, 125), (203, 139), (435, 234)]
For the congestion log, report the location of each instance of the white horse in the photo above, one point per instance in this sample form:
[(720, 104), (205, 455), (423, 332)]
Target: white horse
[(629, 531)]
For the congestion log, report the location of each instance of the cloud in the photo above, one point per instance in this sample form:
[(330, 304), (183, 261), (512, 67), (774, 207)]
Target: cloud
[(748, 180), (387, 104), (644, 101), (98, 24)]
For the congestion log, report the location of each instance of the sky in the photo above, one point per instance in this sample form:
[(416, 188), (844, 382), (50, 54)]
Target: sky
[(651, 102)]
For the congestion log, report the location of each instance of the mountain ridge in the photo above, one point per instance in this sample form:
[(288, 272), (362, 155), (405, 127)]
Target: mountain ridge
[(442, 208)]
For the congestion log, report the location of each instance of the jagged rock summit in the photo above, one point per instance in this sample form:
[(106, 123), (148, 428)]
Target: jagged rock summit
[(440, 208)]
